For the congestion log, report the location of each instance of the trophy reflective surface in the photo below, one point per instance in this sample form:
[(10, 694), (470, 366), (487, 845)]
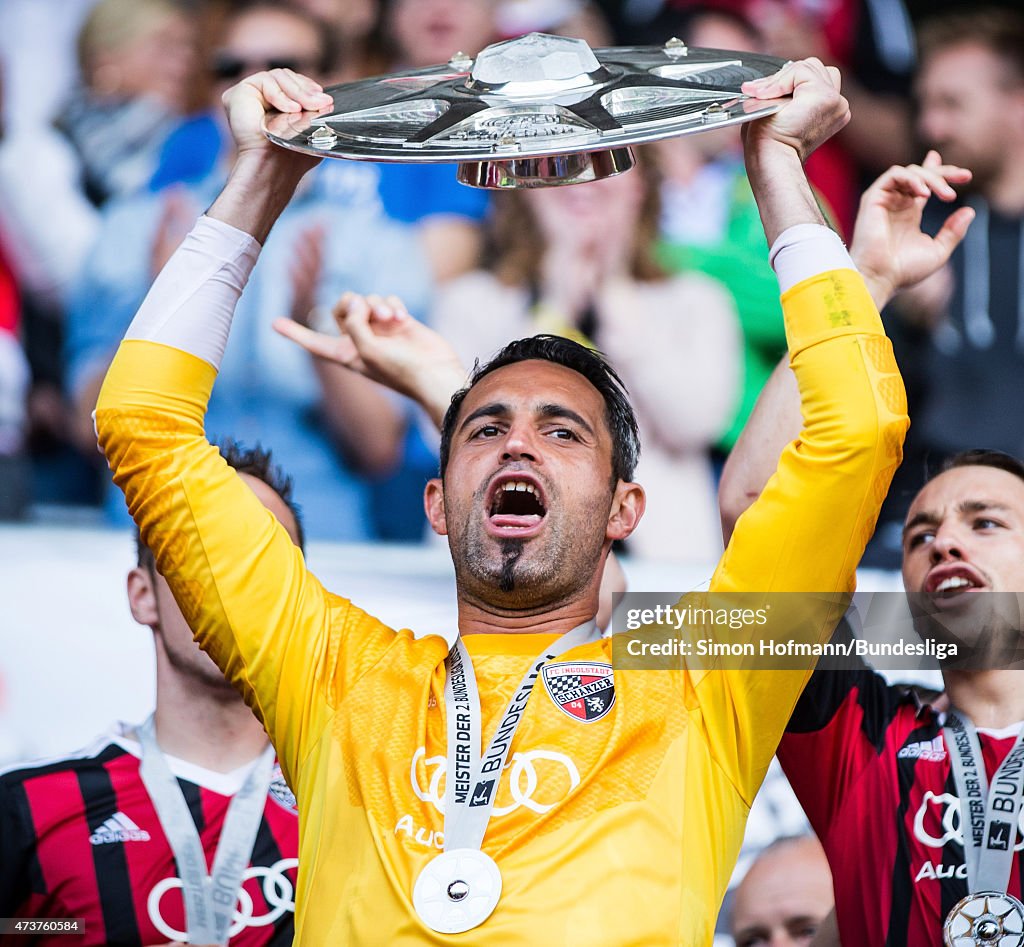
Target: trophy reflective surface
[(535, 111)]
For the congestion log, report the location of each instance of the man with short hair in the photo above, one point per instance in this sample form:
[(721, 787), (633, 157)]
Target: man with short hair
[(875, 768), (94, 835), (784, 897), (596, 787), (971, 96), (882, 775)]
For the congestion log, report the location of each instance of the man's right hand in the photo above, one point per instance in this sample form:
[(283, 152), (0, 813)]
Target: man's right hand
[(265, 175), (248, 101)]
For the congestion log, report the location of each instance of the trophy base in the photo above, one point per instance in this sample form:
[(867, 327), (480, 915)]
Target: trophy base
[(546, 170)]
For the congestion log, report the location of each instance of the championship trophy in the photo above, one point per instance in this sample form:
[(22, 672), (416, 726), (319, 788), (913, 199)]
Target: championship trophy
[(536, 111)]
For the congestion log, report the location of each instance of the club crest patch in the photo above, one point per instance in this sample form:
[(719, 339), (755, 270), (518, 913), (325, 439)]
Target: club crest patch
[(583, 690), (280, 791)]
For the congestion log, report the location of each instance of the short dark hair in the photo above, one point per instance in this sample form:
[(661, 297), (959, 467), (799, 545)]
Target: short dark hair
[(983, 458), (589, 363), (256, 462)]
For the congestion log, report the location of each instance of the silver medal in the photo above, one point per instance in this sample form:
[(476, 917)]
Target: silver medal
[(457, 891), (985, 919)]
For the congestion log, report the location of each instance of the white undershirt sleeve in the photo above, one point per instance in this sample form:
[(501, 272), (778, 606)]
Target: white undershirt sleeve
[(192, 301), (806, 250)]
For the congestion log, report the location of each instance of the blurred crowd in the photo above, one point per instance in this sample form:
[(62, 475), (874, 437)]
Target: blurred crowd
[(113, 143)]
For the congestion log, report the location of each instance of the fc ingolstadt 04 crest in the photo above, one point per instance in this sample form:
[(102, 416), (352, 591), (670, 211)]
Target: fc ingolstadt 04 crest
[(584, 690)]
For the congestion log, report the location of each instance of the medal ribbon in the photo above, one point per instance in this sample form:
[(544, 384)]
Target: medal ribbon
[(989, 813), (209, 898), (471, 785)]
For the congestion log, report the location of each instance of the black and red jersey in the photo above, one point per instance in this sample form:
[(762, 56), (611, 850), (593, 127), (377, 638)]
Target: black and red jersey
[(79, 838), (869, 764)]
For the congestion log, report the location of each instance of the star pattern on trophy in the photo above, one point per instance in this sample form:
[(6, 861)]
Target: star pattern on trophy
[(534, 96)]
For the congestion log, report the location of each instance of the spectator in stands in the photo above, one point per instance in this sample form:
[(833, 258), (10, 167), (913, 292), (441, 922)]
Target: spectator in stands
[(135, 58), (968, 347), (577, 18), (37, 58), (709, 223), (416, 34), (328, 430), (579, 261), (266, 33), (14, 379), (351, 23), (92, 835), (870, 40), (784, 896)]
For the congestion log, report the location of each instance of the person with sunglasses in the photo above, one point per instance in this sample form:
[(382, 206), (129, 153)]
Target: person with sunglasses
[(261, 35)]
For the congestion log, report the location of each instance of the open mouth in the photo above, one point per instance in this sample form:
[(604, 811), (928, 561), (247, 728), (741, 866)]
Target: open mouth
[(517, 505), (946, 584)]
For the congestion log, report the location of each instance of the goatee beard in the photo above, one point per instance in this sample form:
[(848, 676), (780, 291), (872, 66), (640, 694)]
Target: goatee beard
[(511, 550)]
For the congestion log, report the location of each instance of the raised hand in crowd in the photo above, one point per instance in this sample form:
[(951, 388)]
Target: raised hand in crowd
[(893, 254), (889, 247)]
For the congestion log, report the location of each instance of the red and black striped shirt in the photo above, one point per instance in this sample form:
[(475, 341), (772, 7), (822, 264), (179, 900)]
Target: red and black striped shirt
[(79, 838), (869, 764)]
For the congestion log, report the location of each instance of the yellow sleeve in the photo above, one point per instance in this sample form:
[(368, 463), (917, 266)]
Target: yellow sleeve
[(241, 583), (808, 529)]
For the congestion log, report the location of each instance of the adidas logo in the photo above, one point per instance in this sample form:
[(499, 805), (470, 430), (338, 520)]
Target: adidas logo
[(932, 751), (118, 828)]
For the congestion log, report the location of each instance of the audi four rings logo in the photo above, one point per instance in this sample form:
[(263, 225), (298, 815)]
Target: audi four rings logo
[(278, 892), (523, 782), (950, 821)]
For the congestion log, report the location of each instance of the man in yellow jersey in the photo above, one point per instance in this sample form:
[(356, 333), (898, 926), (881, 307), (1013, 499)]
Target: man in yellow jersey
[(508, 788)]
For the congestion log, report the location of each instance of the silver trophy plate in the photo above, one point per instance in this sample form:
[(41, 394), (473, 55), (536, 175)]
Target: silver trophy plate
[(535, 111)]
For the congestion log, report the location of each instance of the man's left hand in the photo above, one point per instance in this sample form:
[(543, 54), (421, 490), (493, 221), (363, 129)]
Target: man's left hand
[(814, 114)]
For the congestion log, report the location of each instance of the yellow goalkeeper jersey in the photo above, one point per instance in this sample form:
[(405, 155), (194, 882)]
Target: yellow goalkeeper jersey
[(615, 831)]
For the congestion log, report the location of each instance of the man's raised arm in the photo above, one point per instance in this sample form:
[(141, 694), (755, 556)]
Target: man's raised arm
[(240, 582), (806, 531), (264, 177), (892, 253)]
